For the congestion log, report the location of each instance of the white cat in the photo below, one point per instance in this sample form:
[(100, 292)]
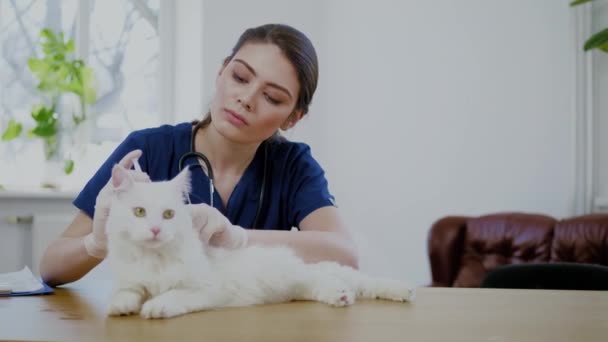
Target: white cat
[(163, 270)]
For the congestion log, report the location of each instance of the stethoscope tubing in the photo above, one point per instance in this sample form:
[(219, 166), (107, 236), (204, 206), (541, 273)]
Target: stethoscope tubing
[(198, 155)]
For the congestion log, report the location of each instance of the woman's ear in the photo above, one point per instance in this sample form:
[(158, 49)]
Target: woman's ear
[(292, 120)]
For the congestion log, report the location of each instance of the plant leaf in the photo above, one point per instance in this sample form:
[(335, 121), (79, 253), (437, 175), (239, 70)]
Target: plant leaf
[(47, 34), (68, 166), (12, 131), (59, 72), (44, 131), (46, 121), (42, 114), (37, 65), (579, 2), (69, 46), (597, 40)]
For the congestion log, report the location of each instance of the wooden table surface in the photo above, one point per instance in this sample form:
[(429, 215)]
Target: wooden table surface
[(77, 312)]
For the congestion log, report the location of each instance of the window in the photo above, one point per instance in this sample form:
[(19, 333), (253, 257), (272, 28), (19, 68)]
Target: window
[(125, 54), (20, 24), (119, 39)]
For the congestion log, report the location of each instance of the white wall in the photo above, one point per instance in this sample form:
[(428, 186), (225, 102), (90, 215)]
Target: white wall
[(426, 109), (188, 59)]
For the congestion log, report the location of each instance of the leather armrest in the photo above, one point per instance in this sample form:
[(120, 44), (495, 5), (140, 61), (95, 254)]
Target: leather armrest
[(445, 243)]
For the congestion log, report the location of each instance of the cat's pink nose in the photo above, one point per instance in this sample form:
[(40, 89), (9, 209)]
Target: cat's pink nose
[(155, 230)]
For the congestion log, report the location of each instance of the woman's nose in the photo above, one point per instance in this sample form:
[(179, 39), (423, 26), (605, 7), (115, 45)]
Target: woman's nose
[(245, 100)]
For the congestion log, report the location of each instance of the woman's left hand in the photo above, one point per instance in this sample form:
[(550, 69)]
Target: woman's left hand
[(215, 229)]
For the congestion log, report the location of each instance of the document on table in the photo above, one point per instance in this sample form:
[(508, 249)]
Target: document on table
[(22, 283)]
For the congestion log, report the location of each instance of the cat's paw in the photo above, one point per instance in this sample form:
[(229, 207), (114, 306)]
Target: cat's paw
[(403, 294), (336, 296), (395, 291), (161, 307), (124, 303)]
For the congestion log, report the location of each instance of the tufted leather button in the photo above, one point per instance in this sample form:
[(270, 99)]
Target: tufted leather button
[(581, 239), (494, 240)]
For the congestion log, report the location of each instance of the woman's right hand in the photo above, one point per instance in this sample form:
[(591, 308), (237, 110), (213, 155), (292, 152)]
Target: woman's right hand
[(96, 242), (214, 229)]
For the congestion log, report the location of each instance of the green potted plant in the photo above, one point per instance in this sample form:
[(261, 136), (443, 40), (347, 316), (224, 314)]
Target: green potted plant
[(598, 40), (59, 76)]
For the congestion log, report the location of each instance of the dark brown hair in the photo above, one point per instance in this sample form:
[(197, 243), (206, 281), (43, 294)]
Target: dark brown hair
[(296, 47)]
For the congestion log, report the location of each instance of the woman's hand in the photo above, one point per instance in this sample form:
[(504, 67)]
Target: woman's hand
[(96, 242), (215, 229)]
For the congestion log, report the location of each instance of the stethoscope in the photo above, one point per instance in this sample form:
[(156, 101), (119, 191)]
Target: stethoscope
[(198, 155)]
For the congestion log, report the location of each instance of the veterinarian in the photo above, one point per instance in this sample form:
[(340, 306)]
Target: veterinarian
[(260, 185)]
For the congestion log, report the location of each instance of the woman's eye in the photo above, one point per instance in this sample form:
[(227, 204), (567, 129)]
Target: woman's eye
[(139, 211), (168, 214), (238, 78), (272, 100)]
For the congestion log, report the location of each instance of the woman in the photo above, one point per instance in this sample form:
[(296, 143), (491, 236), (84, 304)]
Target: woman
[(261, 180)]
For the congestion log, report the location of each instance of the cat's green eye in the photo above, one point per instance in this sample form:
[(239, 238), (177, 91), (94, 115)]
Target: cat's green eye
[(139, 211), (168, 214)]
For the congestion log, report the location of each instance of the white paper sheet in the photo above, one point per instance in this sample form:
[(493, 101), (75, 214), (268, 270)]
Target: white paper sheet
[(20, 281)]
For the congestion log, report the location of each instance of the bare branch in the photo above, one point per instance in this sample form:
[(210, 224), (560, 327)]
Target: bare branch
[(30, 43), (16, 63), (146, 13), (19, 14)]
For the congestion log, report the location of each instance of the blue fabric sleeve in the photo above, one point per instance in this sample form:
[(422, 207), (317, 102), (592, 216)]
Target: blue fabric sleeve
[(85, 201), (309, 187)]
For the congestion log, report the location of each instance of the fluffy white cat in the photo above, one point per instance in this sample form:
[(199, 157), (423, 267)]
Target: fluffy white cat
[(161, 269)]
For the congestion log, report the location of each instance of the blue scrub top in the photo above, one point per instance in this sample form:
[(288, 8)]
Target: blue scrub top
[(295, 182)]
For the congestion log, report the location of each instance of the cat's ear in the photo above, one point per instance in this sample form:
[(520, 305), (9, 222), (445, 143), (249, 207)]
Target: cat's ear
[(182, 182), (121, 180)]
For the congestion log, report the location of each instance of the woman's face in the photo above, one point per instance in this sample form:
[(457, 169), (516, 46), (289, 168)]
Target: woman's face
[(256, 93)]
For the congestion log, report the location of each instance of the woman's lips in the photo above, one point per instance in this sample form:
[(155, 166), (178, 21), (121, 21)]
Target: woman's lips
[(234, 118)]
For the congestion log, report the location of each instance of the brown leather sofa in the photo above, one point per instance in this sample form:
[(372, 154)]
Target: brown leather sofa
[(463, 249)]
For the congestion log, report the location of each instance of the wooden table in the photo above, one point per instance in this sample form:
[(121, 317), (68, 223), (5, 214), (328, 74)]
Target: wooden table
[(437, 314)]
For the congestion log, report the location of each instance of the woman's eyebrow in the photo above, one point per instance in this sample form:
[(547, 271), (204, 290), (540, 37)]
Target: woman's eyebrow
[(272, 84)]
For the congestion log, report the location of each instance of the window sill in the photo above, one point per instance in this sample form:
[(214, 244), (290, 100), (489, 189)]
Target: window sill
[(37, 193)]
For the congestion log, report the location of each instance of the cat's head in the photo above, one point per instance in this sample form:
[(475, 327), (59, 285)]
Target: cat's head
[(148, 214)]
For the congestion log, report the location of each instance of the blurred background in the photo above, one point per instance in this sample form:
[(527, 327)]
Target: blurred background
[(424, 108)]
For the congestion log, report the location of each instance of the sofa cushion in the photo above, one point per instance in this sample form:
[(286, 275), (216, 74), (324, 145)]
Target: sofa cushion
[(494, 240), (582, 239)]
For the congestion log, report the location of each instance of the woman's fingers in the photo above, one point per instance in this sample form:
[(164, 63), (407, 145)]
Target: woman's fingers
[(140, 176), (127, 163), (127, 160)]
